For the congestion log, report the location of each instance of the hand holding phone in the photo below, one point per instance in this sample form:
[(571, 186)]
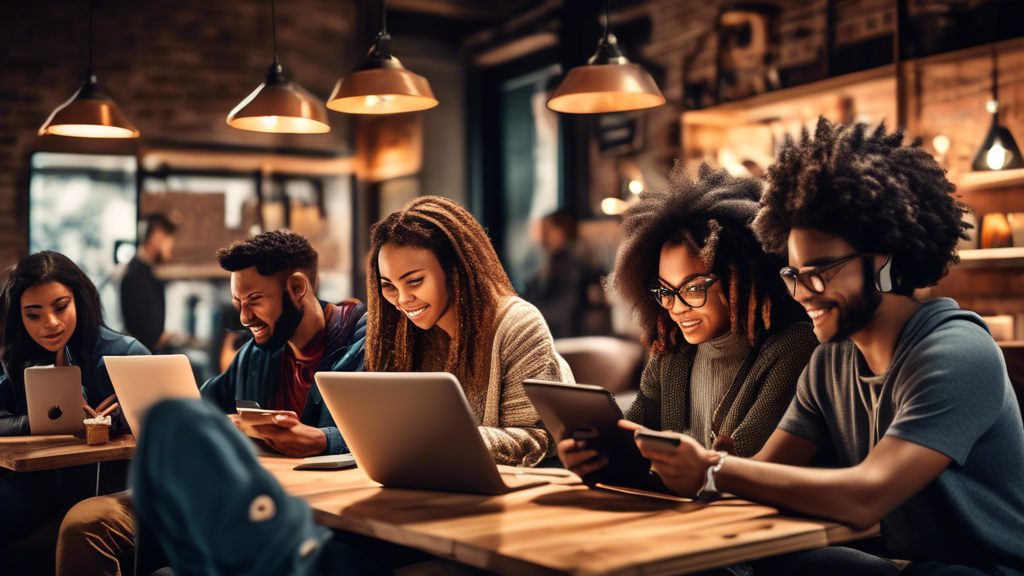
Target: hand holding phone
[(260, 417), (662, 441)]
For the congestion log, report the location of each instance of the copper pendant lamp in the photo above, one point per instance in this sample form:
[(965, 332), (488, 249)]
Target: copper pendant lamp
[(280, 105), (382, 85), (608, 83), (999, 151), (89, 113)]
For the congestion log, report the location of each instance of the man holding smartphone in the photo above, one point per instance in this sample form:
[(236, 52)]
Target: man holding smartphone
[(295, 335), (910, 400)]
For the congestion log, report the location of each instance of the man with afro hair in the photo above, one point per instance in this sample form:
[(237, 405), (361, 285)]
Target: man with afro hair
[(908, 400)]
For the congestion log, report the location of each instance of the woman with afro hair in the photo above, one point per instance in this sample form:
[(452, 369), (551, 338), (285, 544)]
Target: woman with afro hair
[(727, 342)]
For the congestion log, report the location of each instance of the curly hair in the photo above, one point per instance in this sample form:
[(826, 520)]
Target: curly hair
[(877, 194), (271, 253), (710, 215), (476, 283)]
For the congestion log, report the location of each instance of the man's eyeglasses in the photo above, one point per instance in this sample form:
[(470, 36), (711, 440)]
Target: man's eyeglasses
[(813, 279), (694, 294)]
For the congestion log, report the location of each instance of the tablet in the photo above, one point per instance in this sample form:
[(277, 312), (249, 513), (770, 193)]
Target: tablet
[(590, 412)]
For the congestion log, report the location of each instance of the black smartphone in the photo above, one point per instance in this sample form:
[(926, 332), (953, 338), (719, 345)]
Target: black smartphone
[(667, 440)]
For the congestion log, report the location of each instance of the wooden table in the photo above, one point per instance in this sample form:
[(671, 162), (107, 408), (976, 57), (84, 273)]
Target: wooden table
[(558, 528), (31, 453)]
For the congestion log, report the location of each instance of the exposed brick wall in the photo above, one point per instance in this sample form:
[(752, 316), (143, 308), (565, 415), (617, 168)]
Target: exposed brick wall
[(175, 67)]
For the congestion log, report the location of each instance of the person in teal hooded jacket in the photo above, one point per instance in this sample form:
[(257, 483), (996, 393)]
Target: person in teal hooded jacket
[(50, 314)]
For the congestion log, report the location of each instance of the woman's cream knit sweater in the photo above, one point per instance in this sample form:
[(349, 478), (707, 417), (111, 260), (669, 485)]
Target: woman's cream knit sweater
[(522, 349)]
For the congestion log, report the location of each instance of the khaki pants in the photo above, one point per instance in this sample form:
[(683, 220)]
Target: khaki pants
[(97, 537)]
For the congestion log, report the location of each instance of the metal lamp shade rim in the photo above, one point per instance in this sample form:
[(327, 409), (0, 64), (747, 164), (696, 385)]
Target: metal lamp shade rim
[(602, 88), (383, 90), (280, 108), (89, 114)]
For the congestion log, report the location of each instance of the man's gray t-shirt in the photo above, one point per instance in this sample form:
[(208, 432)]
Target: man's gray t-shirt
[(946, 389)]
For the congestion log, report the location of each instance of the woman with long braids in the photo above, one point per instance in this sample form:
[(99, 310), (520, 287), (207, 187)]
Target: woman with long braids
[(727, 342), (440, 301)]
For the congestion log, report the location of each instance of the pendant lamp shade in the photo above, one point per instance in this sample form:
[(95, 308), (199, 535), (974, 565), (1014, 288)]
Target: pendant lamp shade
[(999, 151), (281, 106), (382, 85), (89, 113), (608, 83)]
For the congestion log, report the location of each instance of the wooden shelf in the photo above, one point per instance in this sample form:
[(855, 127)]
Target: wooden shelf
[(992, 258), (1019, 344), (996, 179), (737, 111)]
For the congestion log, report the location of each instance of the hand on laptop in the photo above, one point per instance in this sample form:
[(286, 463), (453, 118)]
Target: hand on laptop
[(682, 468), (291, 437)]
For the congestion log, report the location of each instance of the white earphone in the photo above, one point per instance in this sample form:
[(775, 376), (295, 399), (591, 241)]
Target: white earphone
[(883, 279)]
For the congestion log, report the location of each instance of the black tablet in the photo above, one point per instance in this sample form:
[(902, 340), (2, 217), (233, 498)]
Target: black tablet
[(590, 412)]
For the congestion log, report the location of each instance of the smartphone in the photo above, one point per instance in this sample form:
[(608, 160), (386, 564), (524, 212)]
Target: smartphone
[(665, 440), (333, 462), (252, 414)]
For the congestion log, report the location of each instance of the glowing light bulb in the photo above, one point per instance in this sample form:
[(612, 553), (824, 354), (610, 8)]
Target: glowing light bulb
[(372, 100), (269, 122), (996, 157), (635, 186), (941, 144), (613, 206)]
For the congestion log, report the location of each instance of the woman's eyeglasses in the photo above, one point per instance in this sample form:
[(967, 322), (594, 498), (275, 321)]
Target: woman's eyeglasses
[(694, 294), (812, 279)]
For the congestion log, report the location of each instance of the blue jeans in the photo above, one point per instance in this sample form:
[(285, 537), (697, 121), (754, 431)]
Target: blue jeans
[(27, 501)]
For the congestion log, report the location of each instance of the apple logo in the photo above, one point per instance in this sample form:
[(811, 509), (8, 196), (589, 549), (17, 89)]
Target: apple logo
[(55, 413)]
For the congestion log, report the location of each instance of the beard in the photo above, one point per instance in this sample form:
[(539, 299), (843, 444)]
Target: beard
[(860, 310), (285, 326)]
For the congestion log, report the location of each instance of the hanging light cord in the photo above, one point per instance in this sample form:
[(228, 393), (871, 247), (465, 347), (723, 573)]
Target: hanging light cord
[(88, 71), (273, 29), (606, 18), (995, 75), (383, 16)]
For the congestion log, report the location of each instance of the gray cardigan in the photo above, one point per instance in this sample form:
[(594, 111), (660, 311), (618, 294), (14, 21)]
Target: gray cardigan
[(769, 375)]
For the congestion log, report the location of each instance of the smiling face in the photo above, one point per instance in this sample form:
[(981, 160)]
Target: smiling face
[(260, 301), (849, 301), (412, 280), (680, 267), (48, 311)]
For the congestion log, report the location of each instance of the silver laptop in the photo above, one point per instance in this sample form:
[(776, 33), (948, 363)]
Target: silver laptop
[(414, 430), (143, 381), (53, 396)]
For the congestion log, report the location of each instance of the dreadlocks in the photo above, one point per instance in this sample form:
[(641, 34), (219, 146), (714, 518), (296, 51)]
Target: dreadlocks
[(710, 215), (476, 283), (878, 195)]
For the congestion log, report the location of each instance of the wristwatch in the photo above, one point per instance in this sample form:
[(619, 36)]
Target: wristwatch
[(709, 491)]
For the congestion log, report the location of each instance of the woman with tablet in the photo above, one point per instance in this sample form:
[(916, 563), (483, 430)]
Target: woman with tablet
[(440, 301), (727, 342), (50, 314)]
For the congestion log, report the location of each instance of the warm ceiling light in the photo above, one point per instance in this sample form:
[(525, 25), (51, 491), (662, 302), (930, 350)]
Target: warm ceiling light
[(89, 113), (382, 85), (999, 151), (280, 105), (608, 83)]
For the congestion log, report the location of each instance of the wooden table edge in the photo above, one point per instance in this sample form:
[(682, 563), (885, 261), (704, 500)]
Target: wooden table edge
[(122, 450)]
